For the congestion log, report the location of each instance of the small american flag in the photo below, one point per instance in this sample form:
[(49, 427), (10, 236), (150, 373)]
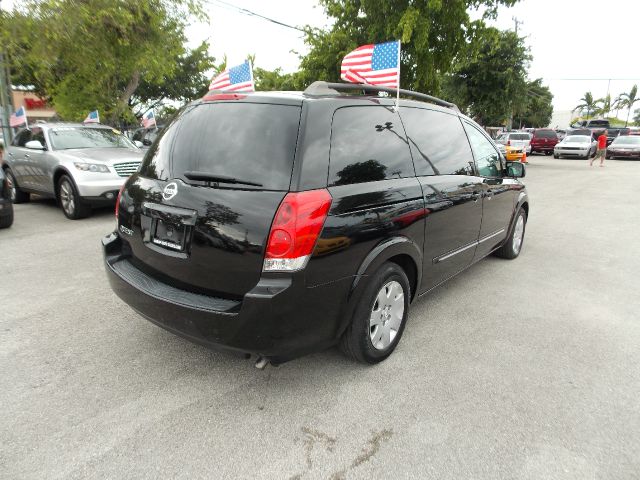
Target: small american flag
[(93, 117), (234, 79), (149, 119), (377, 64), (18, 118)]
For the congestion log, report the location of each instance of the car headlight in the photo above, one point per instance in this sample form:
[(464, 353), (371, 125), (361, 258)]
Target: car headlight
[(91, 167)]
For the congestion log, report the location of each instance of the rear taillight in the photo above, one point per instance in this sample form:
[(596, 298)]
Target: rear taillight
[(118, 200), (508, 143), (295, 229)]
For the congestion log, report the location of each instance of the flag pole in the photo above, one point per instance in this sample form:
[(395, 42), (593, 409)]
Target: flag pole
[(253, 85), (398, 95)]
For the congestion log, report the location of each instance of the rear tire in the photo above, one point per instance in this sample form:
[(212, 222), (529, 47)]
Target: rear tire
[(380, 317), (17, 195), (70, 201), (513, 244), (556, 156), (547, 153)]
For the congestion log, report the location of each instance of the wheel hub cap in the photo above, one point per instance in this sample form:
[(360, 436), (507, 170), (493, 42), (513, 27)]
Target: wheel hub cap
[(386, 315)]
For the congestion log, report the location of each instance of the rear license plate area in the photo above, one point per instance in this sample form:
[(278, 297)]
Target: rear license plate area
[(169, 234)]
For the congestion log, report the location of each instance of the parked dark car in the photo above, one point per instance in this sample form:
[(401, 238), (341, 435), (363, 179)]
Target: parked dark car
[(6, 205), (280, 224), (624, 147), (543, 140)]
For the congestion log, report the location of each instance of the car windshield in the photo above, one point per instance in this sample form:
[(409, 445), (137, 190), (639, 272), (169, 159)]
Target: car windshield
[(65, 138), (519, 136), (577, 139), (627, 141)]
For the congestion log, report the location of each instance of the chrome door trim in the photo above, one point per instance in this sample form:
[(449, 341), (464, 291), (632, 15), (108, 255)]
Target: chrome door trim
[(455, 252), (490, 236)]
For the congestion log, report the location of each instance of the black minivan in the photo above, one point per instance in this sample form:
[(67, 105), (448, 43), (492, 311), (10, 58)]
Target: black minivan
[(281, 223)]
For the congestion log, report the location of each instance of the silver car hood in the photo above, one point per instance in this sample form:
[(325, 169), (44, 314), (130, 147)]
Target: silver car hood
[(575, 144), (102, 155)]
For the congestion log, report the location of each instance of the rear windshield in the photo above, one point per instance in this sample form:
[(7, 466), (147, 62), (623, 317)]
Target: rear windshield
[(546, 134), (250, 142), (519, 136)]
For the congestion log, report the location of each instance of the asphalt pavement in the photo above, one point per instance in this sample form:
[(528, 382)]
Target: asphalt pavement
[(524, 369)]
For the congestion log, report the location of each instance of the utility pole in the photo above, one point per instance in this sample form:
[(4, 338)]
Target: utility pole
[(517, 23), (5, 97)]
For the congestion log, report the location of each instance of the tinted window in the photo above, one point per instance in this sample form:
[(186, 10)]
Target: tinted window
[(22, 138), (545, 134), (367, 144), (487, 158), (248, 141), (438, 143), (519, 136)]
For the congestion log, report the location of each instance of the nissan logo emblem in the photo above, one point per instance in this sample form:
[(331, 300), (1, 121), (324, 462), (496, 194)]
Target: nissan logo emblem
[(170, 191)]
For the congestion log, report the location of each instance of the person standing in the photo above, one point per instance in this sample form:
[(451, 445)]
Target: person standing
[(602, 149)]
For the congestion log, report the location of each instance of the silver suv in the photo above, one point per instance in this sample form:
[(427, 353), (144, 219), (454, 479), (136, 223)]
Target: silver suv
[(79, 165)]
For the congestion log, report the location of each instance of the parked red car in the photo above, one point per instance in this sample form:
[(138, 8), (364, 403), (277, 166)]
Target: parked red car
[(543, 140)]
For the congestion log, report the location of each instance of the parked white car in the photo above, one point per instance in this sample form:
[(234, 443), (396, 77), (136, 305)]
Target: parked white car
[(515, 139), (581, 146), (79, 165)]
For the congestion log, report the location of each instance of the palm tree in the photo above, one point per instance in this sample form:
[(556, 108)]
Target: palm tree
[(605, 105), (588, 104), (628, 100)]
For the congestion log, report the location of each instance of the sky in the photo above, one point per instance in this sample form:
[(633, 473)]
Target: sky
[(570, 40)]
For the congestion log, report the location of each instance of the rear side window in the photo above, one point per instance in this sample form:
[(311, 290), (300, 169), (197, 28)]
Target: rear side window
[(248, 141), (546, 134), (22, 138), (367, 144), (438, 143)]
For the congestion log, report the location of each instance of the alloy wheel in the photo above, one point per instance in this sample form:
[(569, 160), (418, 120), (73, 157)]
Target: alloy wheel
[(518, 234), (67, 198), (386, 315)]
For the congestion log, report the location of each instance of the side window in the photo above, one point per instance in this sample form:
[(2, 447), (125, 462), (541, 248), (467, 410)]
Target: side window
[(367, 144), (22, 138), (487, 158), (38, 134), (438, 143)]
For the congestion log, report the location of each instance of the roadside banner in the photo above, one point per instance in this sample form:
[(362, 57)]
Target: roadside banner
[(234, 79), (19, 117), (93, 117), (149, 120)]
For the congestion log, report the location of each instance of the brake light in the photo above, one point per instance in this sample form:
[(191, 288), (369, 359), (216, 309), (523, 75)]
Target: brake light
[(508, 143), (295, 229), (118, 200)]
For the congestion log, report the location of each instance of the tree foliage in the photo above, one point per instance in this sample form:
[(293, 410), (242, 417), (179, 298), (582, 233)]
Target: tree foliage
[(588, 103), (432, 33), (628, 100), (537, 108), (488, 80), (96, 54)]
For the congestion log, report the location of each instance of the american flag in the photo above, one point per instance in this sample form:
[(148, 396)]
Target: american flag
[(377, 64), (149, 119), (93, 117), (18, 118), (234, 79)]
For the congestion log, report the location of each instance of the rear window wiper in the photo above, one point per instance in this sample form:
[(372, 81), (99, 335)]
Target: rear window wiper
[(213, 178)]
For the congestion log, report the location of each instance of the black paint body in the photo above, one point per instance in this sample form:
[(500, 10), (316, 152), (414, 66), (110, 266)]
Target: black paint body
[(214, 291)]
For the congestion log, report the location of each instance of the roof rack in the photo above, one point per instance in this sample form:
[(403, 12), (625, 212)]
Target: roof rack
[(321, 88)]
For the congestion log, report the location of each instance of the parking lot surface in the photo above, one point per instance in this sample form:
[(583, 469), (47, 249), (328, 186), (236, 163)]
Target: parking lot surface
[(524, 369)]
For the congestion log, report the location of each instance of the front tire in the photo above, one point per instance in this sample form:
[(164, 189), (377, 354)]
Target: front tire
[(7, 220), (16, 195), (556, 156), (380, 318), (513, 244), (70, 201)]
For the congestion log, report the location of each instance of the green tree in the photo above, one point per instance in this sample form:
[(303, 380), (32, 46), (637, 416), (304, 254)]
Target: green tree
[(268, 80), (95, 54), (587, 103), (628, 100), (604, 105), (432, 33), (489, 79), (537, 109)]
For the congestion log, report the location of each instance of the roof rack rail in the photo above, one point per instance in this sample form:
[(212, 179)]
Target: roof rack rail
[(321, 88)]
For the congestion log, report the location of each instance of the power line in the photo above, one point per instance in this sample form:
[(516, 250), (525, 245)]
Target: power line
[(251, 13)]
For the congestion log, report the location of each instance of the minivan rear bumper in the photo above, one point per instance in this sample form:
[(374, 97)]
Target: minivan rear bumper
[(280, 318)]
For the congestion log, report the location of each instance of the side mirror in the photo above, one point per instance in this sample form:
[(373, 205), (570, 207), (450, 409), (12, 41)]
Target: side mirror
[(138, 143), (34, 145), (516, 170)]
